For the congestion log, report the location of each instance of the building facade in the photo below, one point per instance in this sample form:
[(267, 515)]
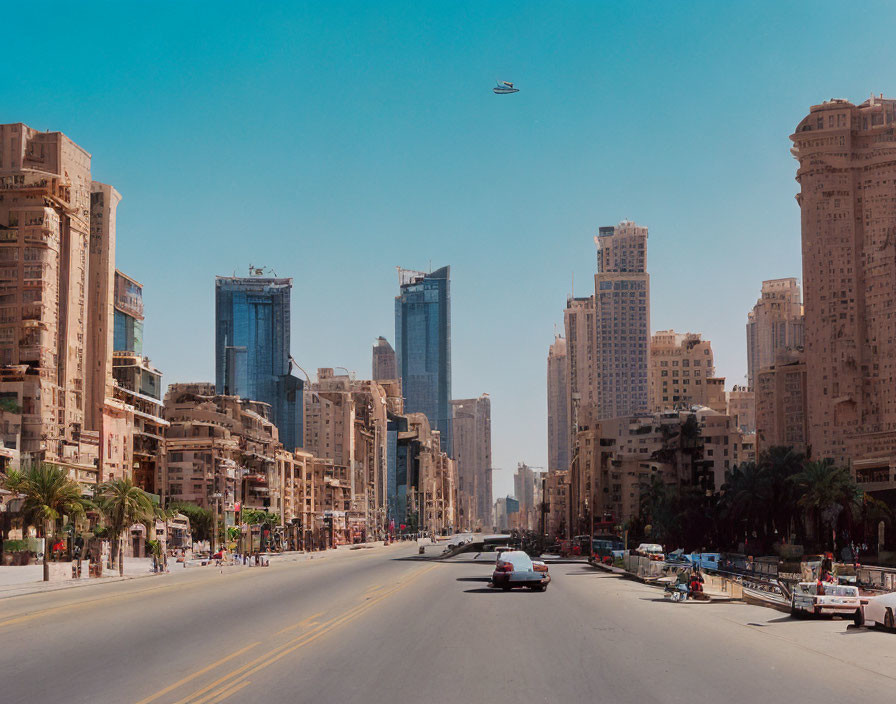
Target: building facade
[(558, 406), (472, 427), (776, 322), (57, 254), (384, 361), (741, 406), (252, 352), (847, 168), (423, 346), (781, 394), (681, 369), (581, 375), (622, 319)]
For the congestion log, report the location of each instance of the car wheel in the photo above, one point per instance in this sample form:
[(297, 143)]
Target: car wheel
[(794, 613), (505, 587), (858, 618), (888, 620)]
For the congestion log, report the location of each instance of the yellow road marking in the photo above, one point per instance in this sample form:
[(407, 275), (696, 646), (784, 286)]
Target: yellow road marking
[(230, 693), (306, 622), (197, 674), (279, 652)]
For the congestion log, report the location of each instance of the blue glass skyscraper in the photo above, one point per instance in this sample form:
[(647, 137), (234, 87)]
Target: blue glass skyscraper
[(252, 349), (423, 346)]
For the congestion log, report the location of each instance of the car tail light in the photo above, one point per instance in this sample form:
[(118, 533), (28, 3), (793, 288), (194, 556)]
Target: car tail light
[(541, 568), (505, 567)]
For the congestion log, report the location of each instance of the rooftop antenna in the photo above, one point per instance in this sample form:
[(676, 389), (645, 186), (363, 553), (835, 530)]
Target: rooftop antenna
[(573, 290)]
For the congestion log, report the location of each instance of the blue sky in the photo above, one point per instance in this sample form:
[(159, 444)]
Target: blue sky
[(334, 141)]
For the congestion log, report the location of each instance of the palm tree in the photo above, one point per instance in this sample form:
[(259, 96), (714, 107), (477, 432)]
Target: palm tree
[(825, 491), (779, 464), (49, 494), (123, 504)]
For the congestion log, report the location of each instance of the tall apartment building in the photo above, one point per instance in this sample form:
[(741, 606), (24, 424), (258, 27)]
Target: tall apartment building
[(423, 346), (558, 406), (847, 198), (472, 427), (622, 319), (781, 402), (57, 251), (384, 361), (138, 384), (776, 322), (681, 372), (252, 353), (741, 406), (581, 377), (528, 491), (346, 423), (104, 201)]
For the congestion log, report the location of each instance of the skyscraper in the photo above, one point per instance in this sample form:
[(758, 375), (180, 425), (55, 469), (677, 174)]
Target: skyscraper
[(44, 286), (581, 380), (558, 410), (621, 319), (847, 198), (383, 361), (423, 347), (472, 435), (252, 349), (776, 322)]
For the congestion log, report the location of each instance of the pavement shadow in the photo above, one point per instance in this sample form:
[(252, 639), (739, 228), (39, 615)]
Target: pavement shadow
[(473, 579), (489, 590)]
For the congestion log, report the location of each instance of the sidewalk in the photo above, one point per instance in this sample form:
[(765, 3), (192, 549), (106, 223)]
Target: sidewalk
[(715, 595)]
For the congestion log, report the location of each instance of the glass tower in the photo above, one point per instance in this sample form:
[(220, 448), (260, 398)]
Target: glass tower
[(252, 349), (423, 347)]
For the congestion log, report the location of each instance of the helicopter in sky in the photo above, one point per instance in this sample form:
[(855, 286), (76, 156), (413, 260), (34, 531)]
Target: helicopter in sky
[(505, 87)]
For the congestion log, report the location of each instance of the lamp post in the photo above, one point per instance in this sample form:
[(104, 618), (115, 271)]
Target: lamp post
[(217, 496)]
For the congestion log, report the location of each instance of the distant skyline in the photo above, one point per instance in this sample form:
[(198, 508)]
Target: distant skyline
[(335, 141)]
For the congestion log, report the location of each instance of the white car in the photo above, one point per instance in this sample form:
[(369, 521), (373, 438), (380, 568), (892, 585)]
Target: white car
[(651, 550), (516, 569), (880, 610), (840, 599)]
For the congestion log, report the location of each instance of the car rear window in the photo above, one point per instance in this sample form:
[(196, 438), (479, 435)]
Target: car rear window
[(519, 560)]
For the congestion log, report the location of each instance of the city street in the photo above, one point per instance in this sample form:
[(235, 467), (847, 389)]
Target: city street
[(361, 626)]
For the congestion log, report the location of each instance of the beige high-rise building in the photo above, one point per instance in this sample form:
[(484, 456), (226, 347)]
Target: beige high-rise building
[(50, 340), (682, 373), (384, 361), (581, 379), (558, 408), (345, 423), (847, 198), (781, 403), (527, 486), (472, 419), (776, 322), (621, 320), (741, 406)]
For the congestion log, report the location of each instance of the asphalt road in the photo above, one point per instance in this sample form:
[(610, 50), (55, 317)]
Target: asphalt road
[(382, 626)]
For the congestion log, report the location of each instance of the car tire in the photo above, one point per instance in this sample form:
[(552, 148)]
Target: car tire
[(505, 587), (888, 620), (858, 618), (794, 612)]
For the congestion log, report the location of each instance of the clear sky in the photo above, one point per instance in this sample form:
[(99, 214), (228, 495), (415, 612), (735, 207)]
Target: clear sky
[(334, 141)]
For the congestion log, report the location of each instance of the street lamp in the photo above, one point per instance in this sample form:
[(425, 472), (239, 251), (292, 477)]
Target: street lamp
[(217, 496)]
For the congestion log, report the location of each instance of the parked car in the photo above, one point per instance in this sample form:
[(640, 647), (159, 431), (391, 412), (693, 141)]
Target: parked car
[(834, 599), (516, 569), (651, 550), (880, 610)]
